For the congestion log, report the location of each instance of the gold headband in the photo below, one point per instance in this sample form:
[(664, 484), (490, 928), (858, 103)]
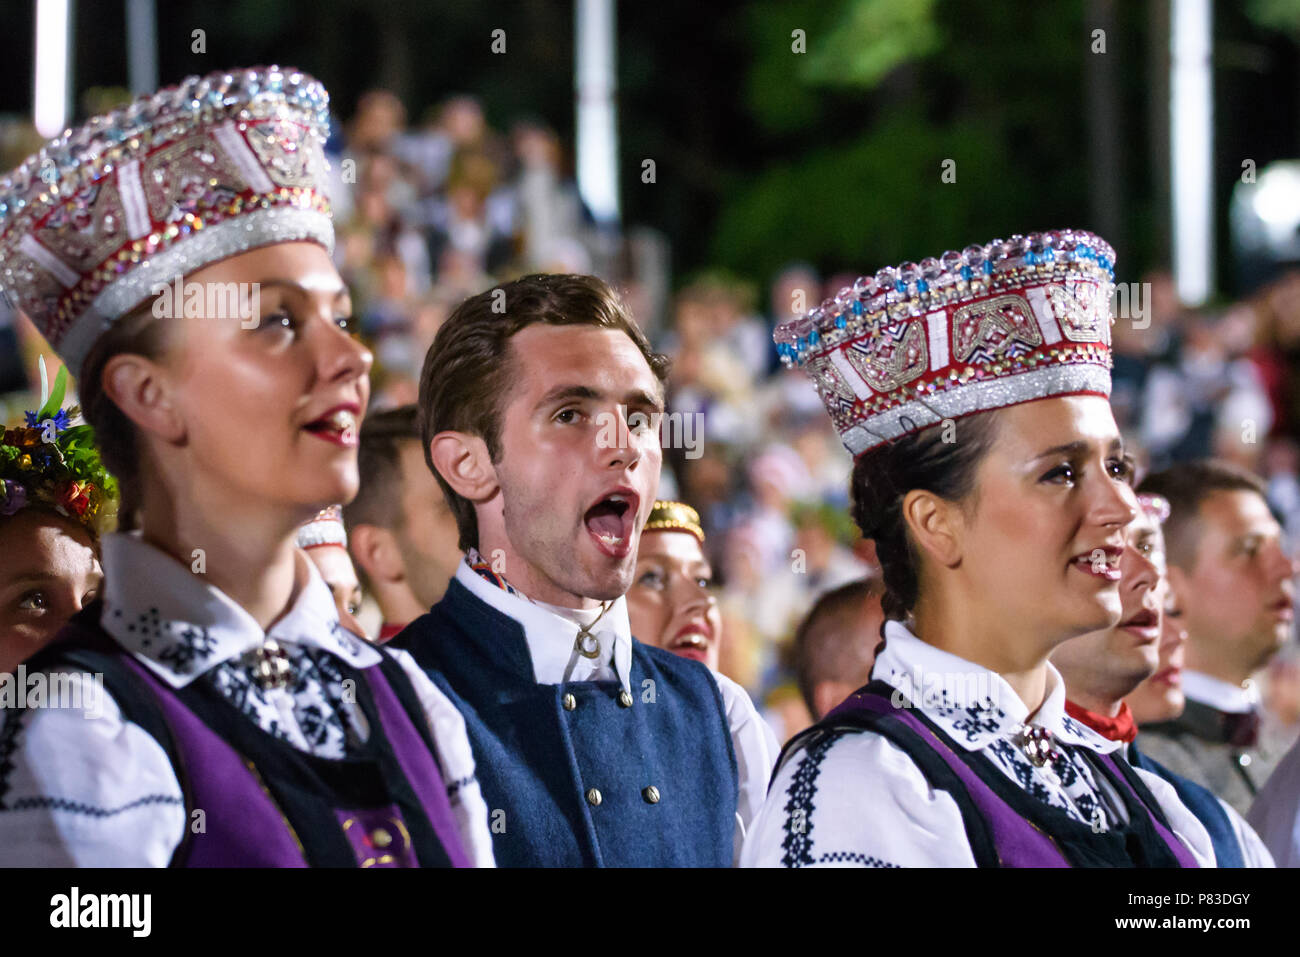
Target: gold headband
[(676, 516)]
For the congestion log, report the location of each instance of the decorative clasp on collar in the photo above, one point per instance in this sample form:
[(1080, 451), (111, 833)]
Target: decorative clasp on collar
[(272, 666), (1038, 745)]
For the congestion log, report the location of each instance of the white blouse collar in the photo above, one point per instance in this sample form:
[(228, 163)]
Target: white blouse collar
[(180, 626), (972, 704)]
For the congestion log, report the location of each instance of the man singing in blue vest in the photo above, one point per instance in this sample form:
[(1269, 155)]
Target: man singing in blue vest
[(539, 404)]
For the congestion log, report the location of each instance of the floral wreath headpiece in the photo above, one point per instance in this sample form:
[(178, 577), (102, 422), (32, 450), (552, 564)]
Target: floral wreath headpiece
[(51, 463)]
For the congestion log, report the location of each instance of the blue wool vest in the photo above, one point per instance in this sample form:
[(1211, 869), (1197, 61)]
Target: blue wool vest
[(653, 784)]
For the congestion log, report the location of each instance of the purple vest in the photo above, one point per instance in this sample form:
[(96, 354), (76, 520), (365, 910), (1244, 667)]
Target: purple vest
[(1017, 842), (249, 813)]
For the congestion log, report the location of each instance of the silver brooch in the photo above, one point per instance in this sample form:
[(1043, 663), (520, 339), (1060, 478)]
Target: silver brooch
[(272, 666), (1038, 745)]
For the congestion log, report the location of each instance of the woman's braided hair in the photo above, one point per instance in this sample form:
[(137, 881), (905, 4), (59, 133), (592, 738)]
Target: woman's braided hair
[(941, 459)]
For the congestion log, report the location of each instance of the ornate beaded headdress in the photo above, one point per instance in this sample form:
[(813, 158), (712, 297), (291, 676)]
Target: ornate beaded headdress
[(325, 528), (988, 327), (674, 516), (192, 174)]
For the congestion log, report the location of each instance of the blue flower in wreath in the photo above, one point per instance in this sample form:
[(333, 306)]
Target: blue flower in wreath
[(61, 420)]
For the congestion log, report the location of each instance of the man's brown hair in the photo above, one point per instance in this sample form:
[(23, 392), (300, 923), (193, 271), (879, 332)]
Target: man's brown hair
[(467, 371), (823, 648), (379, 463), (1186, 486)]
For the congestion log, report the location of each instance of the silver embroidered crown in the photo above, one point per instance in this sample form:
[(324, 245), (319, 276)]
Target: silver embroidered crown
[(192, 174), (988, 327)]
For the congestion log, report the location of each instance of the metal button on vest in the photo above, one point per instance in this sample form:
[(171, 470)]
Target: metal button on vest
[(624, 699), (569, 702), (1243, 760), (651, 795), (593, 797)]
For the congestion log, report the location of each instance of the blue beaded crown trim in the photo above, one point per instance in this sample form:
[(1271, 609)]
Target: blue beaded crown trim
[(994, 325)]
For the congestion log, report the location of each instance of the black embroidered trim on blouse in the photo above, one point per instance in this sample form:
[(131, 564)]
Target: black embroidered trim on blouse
[(76, 807), (454, 787), (8, 744), (803, 786), (866, 860)]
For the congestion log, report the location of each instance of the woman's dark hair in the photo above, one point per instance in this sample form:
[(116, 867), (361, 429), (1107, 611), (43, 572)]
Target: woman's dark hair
[(139, 333), (941, 459)]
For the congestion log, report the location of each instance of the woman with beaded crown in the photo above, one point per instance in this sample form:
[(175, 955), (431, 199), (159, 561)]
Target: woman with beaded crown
[(176, 254), (972, 391)]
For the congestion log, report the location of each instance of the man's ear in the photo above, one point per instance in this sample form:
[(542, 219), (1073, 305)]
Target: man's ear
[(374, 549), (935, 525), (140, 388), (463, 462)]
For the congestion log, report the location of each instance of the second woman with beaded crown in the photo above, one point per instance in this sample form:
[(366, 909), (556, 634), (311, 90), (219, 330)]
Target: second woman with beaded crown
[(972, 391), (244, 725)]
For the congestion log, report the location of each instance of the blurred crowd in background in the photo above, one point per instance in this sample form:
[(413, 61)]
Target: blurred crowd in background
[(431, 211)]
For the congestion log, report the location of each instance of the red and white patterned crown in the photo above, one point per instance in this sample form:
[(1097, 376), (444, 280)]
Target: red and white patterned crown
[(325, 528), (991, 326), (182, 178)]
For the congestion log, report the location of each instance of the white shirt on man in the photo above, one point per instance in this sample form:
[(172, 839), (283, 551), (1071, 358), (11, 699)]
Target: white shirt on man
[(549, 632)]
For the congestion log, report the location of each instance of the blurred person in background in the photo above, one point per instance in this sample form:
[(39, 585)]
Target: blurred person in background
[(1142, 335), (402, 531), (455, 124), (460, 220), (778, 478), (1281, 472), (56, 499), (1277, 350), (325, 541), (672, 603), (379, 118), (825, 561), (544, 203), (1280, 726), (1275, 812), (1101, 668), (1235, 585), (770, 599), (1208, 398), (835, 645)]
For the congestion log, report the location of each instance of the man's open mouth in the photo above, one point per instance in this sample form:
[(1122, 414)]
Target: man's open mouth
[(611, 522)]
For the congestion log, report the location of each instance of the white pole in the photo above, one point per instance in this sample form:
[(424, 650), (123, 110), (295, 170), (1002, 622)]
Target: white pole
[(142, 46), (1191, 115), (50, 87), (597, 120)]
